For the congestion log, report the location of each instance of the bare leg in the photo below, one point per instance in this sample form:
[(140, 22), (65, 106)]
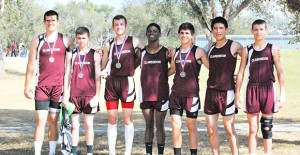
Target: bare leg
[(228, 122), (212, 131)]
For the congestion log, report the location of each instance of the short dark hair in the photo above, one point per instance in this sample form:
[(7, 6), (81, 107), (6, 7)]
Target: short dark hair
[(187, 26), (219, 20), (82, 30), (118, 17), (51, 13), (155, 25), (259, 22)]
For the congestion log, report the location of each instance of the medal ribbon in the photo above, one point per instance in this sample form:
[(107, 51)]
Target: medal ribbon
[(51, 49), (183, 63), (81, 62), (117, 51)]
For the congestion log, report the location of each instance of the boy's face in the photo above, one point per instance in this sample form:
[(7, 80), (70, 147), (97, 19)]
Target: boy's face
[(219, 31), (152, 33), (185, 36), (259, 31), (119, 26), (51, 23), (82, 40)]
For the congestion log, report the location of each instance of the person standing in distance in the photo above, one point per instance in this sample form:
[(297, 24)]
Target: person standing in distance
[(48, 52), (219, 97), (260, 58), (82, 87), (186, 62), (154, 88), (120, 58)]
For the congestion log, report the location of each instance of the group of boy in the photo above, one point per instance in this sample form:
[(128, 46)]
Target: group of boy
[(68, 74)]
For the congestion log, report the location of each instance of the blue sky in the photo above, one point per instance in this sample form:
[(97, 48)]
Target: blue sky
[(49, 4)]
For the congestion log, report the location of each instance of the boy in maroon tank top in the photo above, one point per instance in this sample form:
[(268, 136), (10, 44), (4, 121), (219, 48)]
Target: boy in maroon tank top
[(120, 58), (186, 64), (154, 88), (260, 59), (219, 97), (47, 51), (82, 87)]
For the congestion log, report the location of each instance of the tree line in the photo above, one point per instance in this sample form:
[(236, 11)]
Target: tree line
[(23, 19)]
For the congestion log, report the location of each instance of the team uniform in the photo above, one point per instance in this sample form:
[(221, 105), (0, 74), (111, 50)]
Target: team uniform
[(219, 96), (260, 91), (120, 82), (83, 88), (154, 80), (185, 90), (50, 73)]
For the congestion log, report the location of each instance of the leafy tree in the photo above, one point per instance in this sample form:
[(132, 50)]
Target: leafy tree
[(87, 14)]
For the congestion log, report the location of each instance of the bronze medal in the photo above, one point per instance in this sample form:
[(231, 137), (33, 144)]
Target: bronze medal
[(80, 75)]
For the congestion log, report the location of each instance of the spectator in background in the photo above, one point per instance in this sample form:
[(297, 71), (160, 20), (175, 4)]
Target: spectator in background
[(7, 51), (13, 49), (22, 52)]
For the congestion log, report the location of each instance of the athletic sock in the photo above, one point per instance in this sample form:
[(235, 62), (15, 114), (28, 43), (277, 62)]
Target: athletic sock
[(149, 148), (129, 134), (52, 147), (74, 150), (160, 148), (89, 149), (37, 147), (112, 138), (177, 151), (193, 151)]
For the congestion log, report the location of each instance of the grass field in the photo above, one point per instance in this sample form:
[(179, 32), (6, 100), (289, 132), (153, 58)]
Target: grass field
[(17, 118)]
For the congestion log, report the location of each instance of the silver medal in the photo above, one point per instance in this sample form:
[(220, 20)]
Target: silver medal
[(80, 75), (118, 65), (51, 59), (182, 74)]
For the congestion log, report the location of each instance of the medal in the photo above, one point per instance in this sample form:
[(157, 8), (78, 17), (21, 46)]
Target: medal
[(51, 59), (182, 62), (80, 75), (81, 63), (182, 74), (118, 65)]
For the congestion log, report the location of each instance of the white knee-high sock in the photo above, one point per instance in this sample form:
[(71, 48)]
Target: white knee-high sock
[(52, 147), (37, 147), (129, 134), (112, 138)]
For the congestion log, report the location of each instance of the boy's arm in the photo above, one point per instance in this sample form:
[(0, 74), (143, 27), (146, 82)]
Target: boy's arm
[(67, 78), (68, 43), (138, 45), (105, 54), (240, 77), (97, 58), (236, 49), (30, 67), (171, 69), (202, 57), (280, 76)]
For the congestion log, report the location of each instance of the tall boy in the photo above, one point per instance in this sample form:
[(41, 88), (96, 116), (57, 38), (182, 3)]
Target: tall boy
[(47, 54), (120, 58)]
